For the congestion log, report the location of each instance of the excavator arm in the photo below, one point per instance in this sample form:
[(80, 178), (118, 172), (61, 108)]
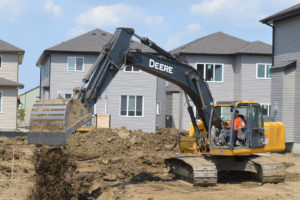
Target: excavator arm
[(116, 54)]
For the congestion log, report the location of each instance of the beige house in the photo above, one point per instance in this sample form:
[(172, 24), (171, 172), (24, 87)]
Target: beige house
[(10, 58)]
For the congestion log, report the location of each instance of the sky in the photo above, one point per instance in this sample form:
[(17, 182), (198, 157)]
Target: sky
[(35, 25)]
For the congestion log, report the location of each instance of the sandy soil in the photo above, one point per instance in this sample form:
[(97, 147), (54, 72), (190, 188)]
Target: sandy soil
[(119, 164)]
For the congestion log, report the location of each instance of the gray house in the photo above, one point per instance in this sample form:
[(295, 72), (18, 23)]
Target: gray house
[(285, 72), (235, 69), (130, 99), (10, 59), (139, 100)]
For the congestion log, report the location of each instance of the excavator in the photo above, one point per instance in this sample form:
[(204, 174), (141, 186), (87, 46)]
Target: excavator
[(203, 156)]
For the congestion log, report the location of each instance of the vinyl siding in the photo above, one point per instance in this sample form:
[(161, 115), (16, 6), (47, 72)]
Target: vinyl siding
[(9, 66), (237, 78), (125, 83), (8, 117), (287, 47), (221, 91), (45, 73), (288, 103), (161, 98), (63, 81), (252, 88), (276, 95), (131, 83)]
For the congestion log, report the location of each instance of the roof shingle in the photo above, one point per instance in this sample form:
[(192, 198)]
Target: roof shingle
[(223, 44), (291, 11), (90, 42)]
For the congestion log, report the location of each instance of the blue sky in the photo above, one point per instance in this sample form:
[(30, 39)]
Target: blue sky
[(35, 25)]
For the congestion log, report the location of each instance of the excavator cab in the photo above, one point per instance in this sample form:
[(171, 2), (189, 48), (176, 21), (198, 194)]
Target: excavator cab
[(222, 131)]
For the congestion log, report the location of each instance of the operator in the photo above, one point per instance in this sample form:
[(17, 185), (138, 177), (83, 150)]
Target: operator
[(238, 125)]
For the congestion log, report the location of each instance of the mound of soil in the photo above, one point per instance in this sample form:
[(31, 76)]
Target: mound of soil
[(103, 157)]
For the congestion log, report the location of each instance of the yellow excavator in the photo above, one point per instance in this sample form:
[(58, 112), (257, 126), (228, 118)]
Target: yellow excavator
[(213, 144)]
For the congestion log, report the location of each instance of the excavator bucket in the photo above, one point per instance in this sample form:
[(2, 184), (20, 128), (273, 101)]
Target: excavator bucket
[(53, 120)]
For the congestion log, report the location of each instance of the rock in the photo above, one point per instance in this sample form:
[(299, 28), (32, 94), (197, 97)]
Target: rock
[(123, 133), (105, 161), (109, 140), (169, 146), (110, 177), (115, 160), (157, 149)]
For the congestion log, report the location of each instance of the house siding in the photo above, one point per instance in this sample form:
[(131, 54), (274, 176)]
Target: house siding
[(252, 88), (131, 83), (286, 48), (288, 103), (221, 91), (161, 98), (237, 78), (124, 83), (8, 118), (63, 81), (9, 66)]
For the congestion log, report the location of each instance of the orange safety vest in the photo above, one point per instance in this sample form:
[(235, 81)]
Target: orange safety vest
[(238, 123)]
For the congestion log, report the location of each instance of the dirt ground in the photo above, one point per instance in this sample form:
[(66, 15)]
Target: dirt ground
[(112, 164)]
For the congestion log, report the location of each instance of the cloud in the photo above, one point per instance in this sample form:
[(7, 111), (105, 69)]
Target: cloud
[(110, 15), (234, 10), (52, 8), (177, 39), (193, 28), (10, 9), (153, 20), (76, 31)]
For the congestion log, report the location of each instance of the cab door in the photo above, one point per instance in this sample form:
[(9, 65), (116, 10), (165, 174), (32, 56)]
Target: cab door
[(256, 127)]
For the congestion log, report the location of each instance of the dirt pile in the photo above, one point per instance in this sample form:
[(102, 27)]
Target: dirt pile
[(54, 173), (121, 154), (103, 157)]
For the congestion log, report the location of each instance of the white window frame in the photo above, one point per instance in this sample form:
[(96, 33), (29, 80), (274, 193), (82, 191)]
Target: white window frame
[(158, 108), (269, 110), (132, 70), (204, 71), (127, 95), (75, 70), (70, 94), (1, 61), (265, 64), (1, 100)]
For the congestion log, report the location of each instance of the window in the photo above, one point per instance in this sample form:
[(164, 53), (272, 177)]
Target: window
[(131, 106), (68, 95), (158, 108), (1, 94), (211, 72), (130, 68), (75, 63), (266, 109), (263, 70)]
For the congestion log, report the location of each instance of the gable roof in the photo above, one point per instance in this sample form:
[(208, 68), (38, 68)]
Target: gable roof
[(289, 12), (9, 83), (6, 47), (90, 42), (220, 43)]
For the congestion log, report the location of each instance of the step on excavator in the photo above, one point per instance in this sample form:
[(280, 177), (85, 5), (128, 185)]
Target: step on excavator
[(213, 144)]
